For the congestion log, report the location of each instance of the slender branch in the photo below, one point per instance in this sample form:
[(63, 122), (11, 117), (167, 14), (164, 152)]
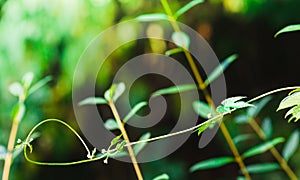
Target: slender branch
[(124, 133)]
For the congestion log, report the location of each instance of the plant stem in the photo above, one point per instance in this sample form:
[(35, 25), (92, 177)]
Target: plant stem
[(202, 87), (273, 150), (124, 133)]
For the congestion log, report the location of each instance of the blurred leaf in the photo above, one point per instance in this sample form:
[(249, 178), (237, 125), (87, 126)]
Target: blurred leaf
[(16, 89), (261, 148), (92, 100), (3, 152), (18, 111), (27, 79), (241, 119), (290, 28), (39, 84), (232, 103), (114, 92), (187, 7), (242, 137), (138, 147), (293, 99), (111, 124), (291, 145), (162, 177), (267, 128), (241, 178), (134, 110), (211, 163), (152, 17), (262, 168), (181, 39), (173, 51), (202, 109), (119, 154), (174, 89), (220, 69), (253, 112)]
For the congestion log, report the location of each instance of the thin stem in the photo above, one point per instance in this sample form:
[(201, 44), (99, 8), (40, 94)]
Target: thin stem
[(124, 133), (202, 86), (273, 150)]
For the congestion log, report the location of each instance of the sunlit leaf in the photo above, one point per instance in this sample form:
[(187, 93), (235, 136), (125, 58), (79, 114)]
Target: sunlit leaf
[(174, 89), (211, 163), (181, 39), (114, 92), (152, 17), (162, 177), (138, 147), (18, 111), (3, 152), (261, 148), (220, 69), (111, 124), (232, 103), (116, 140), (262, 168), (202, 109), (173, 51), (253, 112), (290, 28), (291, 101), (39, 84), (16, 89), (187, 7), (291, 146), (267, 128), (27, 79), (92, 101), (134, 110), (242, 137)]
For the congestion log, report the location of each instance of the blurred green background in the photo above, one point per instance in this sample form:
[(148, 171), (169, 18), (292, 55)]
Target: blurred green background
[(48, 37)]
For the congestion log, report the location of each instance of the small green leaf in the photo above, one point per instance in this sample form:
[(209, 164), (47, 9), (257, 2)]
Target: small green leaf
[(181, 39), (241, 178), (262, 168), (220, 69), (242, 137), (290, 101), (111, 124), (92, 101), (3, 152), (115, 140), (27, 79), (18, 111), (291, 145), (162, 177), (174, 89), (253, 112), (290, 28), (232, 103), (114, 92), (134, 110), (295, 112), (267, 128), (39, 84), (152, 17), (173, 51), (138, 147), (202, 109), (211, 163), (16, 89), (120, 146), (261, 148), (203, 128), (187, 7)]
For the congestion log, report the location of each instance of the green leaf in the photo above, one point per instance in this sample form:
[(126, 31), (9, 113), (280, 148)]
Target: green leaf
[(262, 168), (92, 100), (162, 177), (295, 112), (242, 137), (39, 84), (253, 112), (18, 111), (232, 103), (116, 140), (16, 89), (241, 178), (241, 119), (267, 128), (202, 109), (291, 145), (203, 128), (114, 92), (173, 51), (220, 69), (138, 147), (111, 124), (27, 79), (152, 17), (187, 7), (134, 110), (290, 28), (259, 149), (3, 152), (293, 99), (174, 89), (181, 39), (211, 163)]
